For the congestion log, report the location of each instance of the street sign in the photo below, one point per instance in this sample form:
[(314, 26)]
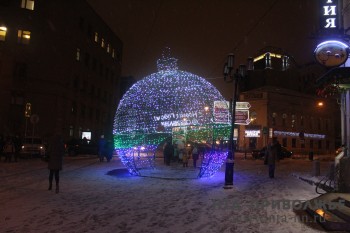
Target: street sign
[(243, 105), (242, 117)]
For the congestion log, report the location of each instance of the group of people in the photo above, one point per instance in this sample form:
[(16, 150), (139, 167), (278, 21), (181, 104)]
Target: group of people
[(10, 147), (178, 153)]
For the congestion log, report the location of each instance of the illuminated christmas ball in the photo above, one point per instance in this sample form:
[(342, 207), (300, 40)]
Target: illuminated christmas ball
[(162, 104)]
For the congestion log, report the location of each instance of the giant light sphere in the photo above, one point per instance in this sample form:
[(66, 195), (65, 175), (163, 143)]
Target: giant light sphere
[(162, 104)]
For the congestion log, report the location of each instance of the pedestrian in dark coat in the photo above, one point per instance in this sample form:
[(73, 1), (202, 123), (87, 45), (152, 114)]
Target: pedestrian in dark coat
[(168, 152), (102, 148), (271, 156), (55, 161), (195, 155)]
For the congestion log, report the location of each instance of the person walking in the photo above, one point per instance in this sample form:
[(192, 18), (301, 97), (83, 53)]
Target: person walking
[(195, 155), (271, 156), (55, 153), (102, 148), (168, 152), (185, 160)]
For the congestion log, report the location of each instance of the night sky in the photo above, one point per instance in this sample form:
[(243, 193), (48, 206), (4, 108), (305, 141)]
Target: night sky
[(201, 33)]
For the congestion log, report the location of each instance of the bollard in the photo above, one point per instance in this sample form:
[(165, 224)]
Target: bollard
[(316, 168)]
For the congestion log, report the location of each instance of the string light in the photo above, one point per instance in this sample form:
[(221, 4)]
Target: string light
[(151, 109)]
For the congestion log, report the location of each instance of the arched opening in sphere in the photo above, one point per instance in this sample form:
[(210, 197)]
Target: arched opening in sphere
[(176, 105)]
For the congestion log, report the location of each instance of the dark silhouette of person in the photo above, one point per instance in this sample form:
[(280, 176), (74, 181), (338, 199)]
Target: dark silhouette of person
[(102, 148), (195, 155), (168, 152), (271, 156), (55, 159)]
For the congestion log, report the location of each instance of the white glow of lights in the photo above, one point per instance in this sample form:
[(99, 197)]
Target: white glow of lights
[(296, 134)]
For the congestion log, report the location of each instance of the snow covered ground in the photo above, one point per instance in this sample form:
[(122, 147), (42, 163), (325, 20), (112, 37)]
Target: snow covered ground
[(103, 197)]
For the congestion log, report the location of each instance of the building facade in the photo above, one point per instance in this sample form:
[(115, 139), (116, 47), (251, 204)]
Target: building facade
[(60, 67), (285, 105)]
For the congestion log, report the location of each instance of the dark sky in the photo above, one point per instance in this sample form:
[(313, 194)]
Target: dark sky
[(201, 33)]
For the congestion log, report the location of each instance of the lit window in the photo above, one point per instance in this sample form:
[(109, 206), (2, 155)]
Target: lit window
[(78, 55), (113, 53), (268, 60), (23, 37), (3, 31), (28, 4), (96, 37), (108, 48), (102, 43)]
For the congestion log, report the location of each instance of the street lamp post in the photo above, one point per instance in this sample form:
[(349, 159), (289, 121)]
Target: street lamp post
[(231, 75)]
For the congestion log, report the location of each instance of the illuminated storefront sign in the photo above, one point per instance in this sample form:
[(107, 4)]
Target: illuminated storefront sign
[(331, 53), (252, 133), (329, 14)]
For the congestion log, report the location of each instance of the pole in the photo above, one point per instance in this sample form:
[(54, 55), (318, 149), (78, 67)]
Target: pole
[(232, 145)]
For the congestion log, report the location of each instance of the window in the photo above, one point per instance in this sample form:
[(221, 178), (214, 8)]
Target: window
[(301, 121), (285, 63), (96, 37), (3, 31), (284, 142), (274, 118), (113, 53), (102, 43), (77, 56), (284, 117), (74, 108), (268, 60), (23, 37), (293, 121), (108, 48), (71, 130), (28, 4)]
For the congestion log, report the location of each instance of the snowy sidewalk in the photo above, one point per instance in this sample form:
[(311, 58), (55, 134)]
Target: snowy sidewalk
[(103, 197)]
